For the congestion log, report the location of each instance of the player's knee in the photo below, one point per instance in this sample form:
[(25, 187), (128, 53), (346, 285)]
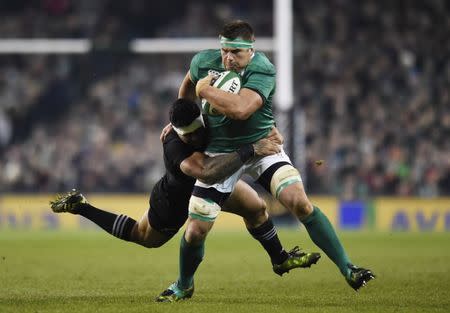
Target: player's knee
[(262, 211), (137, 234), (149, 240), (152, 244), (257, 217), (195, 235), (140, 235), (298, 204)]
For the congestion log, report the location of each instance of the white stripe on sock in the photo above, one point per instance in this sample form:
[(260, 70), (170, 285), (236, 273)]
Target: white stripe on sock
[(117, 227), (269, 235), (123, 226), (120, 224), (114, 225)]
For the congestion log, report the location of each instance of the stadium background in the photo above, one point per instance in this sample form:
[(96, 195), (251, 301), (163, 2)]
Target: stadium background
[(370, 79), (371, 83)]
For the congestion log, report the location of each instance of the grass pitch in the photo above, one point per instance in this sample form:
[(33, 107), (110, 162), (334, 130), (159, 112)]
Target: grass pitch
[(94, 272)]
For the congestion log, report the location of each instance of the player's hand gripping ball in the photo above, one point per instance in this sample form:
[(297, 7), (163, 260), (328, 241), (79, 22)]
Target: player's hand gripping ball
[(228, 81), (204, 82)]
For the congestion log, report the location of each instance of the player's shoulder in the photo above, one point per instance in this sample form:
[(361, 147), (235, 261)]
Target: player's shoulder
[(172, 140), (208, 57), (175, 151), (260, 63), (173, 144)]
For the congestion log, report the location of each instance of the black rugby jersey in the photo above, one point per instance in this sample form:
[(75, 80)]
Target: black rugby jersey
[(173, 190)]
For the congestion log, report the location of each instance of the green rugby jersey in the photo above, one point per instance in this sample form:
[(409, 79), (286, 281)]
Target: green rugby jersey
[(227, 135)]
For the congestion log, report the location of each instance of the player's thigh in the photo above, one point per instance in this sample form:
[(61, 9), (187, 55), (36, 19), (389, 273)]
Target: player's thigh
[(207, 201), (277, 175), (148, 236), (244, 201)]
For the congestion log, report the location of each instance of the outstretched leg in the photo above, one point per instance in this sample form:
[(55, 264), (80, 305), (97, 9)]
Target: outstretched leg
[(120, 226), (323, 234)]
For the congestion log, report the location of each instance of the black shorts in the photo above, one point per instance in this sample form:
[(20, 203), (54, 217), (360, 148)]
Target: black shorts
[(164, 215)]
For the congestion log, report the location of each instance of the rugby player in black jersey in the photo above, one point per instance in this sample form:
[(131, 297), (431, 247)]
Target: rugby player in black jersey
[(185, 162)]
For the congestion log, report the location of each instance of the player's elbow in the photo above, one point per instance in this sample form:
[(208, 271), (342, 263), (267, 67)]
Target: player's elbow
[(240, 114), (209, 175), (208, 179), (194, 172)]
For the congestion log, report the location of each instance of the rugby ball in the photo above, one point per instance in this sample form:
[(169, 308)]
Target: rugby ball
[(228, 81)]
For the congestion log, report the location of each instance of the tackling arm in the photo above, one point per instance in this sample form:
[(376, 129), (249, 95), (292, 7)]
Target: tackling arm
[(210, 170)]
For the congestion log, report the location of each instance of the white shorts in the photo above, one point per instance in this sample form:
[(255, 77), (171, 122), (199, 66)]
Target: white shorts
[(254, 167), (206, 200)]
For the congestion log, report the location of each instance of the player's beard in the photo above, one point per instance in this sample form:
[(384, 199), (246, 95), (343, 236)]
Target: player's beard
[(233, 68)]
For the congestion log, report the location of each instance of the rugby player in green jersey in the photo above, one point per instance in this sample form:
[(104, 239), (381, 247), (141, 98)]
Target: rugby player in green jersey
[(241, 119), (184, 162)]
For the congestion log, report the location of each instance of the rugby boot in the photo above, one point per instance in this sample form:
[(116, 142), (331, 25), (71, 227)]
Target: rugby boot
[(296, 258), (68, 202), (174, 294), (358, 277)]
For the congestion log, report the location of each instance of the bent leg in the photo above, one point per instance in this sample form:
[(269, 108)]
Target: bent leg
[(146, 235), (119, 226), (316, 223), (74, 202), (245, 202)]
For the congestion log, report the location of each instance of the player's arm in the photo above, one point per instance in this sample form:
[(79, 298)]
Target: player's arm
[(235, 106), (213, 169), (187, 88)]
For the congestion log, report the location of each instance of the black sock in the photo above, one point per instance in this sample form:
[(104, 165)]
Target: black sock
[(117, 225), (267, 235)]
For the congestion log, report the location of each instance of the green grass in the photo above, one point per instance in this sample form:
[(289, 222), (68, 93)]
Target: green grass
[(94, 272)]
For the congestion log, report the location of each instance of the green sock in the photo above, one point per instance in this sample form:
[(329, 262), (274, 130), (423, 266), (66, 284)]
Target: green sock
[(323, 235), (190, 259)]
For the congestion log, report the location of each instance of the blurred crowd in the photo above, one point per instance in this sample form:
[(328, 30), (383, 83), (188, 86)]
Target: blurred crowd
[(371, 77)]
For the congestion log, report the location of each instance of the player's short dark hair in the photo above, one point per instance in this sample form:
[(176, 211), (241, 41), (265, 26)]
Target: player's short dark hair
[(183, 112), (237, 29)]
